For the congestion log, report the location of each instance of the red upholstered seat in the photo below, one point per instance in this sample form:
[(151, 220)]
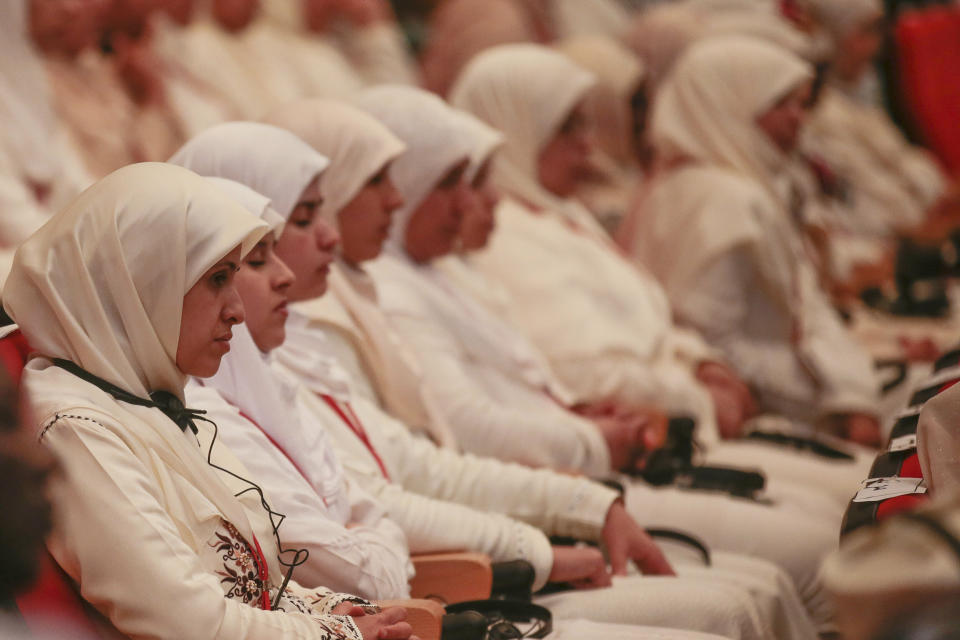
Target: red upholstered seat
[(928, 45)]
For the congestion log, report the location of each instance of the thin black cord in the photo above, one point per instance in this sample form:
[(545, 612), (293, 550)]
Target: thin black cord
[(171, 406), (300, 555)]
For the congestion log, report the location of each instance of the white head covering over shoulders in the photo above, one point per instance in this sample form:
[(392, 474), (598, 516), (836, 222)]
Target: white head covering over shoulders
[(525, 91), (358, 145), (102, 284), (246, 381), (268, 159), (428, 127), (94, 285)]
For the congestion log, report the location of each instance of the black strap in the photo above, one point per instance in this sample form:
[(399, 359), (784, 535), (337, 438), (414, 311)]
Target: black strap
[(937, 527), (168, 403), (511, 611), (686, 538)]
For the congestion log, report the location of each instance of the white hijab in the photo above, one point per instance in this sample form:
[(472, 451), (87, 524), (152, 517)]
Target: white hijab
[(525, 91), (246, 380), (95, 286), (357, 144), (426, 125), (268, 159), (705, 115), (484, 139), (661, 34), (707, 111)]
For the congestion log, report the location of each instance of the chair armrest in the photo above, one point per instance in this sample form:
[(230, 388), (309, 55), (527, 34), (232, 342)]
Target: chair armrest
[(452, 577), (425, 616)]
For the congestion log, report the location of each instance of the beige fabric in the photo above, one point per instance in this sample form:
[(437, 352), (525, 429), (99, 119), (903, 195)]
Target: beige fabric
[(661, 34), (123, 324), (937, 443), (461, 29), (610, 191), (894, 182), (525, 91), (94, 286), (744, 239), (841, 16), (359, 146), (425, 124), (250, 153), (589, 17)]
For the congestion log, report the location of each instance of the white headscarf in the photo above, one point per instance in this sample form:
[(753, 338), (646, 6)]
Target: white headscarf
[(357, 144), (25, 106), (619, 73), (431, 132), (256, 203), (525, 91), (246, 381), (842, 16), (484, 140), (102, 283), (269, 160), (707, 110)]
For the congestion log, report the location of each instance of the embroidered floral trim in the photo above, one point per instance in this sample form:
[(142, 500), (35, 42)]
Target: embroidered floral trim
[(240, 573)]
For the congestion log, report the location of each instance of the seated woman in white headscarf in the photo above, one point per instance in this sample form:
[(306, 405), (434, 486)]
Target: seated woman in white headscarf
[(486, 378), (750, 289), (410, 475), (895, 183), (616, 110), (160, 526), (608, 335)]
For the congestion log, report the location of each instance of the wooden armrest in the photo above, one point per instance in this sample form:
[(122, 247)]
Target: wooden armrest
[(452, 577), (425, 616)]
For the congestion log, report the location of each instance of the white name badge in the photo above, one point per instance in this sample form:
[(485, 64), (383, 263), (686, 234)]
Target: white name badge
[(876, 489), (903, 443)]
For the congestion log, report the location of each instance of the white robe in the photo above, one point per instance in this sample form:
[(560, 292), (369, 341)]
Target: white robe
[(353, 546)]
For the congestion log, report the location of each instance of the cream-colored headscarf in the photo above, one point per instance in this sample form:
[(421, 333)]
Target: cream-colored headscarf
[(484, 141), (525, 91), (707, 111), (357, 144), (102, 283), (430, 130), (268, 159), (619, 73), (938, 442)]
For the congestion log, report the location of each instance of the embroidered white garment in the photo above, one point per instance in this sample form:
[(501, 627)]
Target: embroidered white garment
[(95, 287)]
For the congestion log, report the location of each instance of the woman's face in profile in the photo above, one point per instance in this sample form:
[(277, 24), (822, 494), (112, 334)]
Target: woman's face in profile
[(210, 309)]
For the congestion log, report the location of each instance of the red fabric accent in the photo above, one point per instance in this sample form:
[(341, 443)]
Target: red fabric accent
[(947, 385), (14, 351), (264, 574), (893, 506), (347, 415), (928, 47), (911, 468)]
